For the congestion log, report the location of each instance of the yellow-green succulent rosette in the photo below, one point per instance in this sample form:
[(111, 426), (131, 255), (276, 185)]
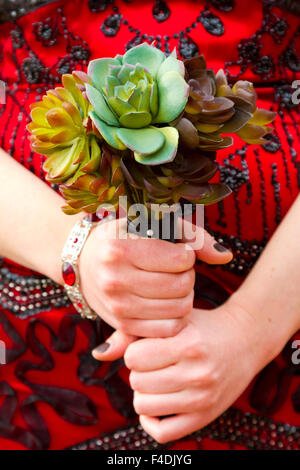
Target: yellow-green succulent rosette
[(134, 98)]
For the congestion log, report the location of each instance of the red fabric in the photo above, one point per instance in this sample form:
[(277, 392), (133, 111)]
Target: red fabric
[(243, 219)]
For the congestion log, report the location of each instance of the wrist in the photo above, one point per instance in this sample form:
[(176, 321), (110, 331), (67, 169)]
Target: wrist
[(53, 268), (265, 337)]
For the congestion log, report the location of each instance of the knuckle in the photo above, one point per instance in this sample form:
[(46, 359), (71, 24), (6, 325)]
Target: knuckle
[(210, 399), (110, 282), (129, 357), (187, 304), (118, 309), (125, 327), (112, 252), (174, 327), (193, 402), (196, 379), (194, 349), (186, 282), (213, 376), (179, 257), (138, 404), (191, 258), (133, 380)]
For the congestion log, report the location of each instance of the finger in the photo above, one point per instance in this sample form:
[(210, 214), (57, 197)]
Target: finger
[(159, 309), (161, 404), (151, 354), (159, 255), (173, 428), (167, 380), (206, 247), (153, 328), (114, 347), (161, 285)]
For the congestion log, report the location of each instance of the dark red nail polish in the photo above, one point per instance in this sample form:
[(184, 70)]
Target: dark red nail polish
[(220, 248), (102, 348)]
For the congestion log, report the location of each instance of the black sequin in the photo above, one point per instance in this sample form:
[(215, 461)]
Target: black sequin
[(79, 53), (290, 58), (249, 50), (213, 24), (161, 11), (273, 144), (46, 32), (264, 66), (223, 5), (187, 47), (111, 25), (98, 5), (32, 69)]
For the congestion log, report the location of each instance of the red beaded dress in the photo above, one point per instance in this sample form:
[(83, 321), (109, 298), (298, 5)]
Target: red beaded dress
[(53, 394)]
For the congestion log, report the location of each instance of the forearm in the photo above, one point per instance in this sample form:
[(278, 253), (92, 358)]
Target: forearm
[(271, 292), (33, 229)]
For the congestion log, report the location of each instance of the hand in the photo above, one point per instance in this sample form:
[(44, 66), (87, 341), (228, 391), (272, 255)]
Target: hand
[(197, 374), (141, 287)]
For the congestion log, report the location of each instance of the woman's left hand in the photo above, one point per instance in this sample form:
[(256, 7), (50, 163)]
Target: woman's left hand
[(197, 374)]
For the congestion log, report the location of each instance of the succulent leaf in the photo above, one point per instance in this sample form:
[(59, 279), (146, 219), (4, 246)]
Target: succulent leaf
[(173, 95), (98, 69), (109, 133), (166, 153), (148, 56), (100, 107), (143, 141)]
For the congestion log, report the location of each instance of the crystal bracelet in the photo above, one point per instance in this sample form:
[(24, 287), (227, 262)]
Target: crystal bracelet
[(70, 274)]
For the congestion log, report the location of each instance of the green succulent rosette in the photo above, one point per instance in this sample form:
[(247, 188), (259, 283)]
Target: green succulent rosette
[(133, 97)]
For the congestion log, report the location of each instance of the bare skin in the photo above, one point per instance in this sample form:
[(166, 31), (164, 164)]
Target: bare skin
[(200, 372), (137, 286), (219, 351)]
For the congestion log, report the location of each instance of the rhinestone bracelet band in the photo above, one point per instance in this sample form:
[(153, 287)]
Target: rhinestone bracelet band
[(70, 254)]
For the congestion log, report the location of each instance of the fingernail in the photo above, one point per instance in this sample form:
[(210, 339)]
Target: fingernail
[(101, 348), (220, 248)]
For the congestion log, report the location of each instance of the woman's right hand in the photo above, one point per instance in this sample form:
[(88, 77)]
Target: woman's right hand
[(142, 287)]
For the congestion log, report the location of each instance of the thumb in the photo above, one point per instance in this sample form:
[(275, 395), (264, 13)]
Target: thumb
[(114, 347), (205, 246)]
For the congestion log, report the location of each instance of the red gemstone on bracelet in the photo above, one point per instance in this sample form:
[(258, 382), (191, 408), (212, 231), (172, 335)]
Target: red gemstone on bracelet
[(68, 274)]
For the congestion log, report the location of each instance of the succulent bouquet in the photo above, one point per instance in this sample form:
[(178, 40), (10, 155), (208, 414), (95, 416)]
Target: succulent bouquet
[(142, 125)]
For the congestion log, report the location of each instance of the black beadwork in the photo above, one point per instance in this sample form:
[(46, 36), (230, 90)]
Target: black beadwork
[(111, 25), (32, 69), (253, 431), (212, 23), (98, 5), (223, 5), (28, 295), (46, 32), (187, 47), (161, 11)]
